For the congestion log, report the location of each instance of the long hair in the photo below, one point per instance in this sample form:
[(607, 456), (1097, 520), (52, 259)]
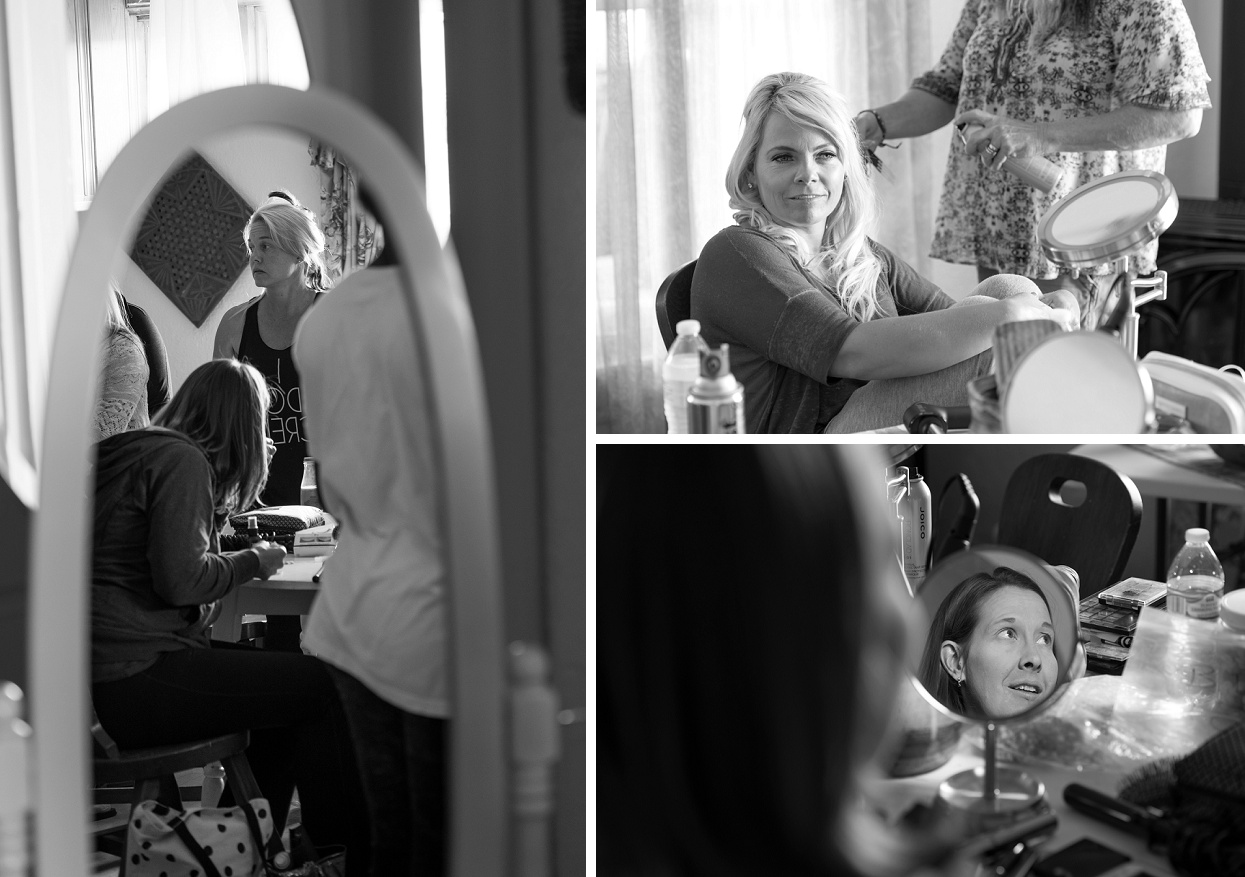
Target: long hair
[(222, 406), (955, 620), (846, 262), (1047, 16), (295, 230), (732, 667), (116, 322)]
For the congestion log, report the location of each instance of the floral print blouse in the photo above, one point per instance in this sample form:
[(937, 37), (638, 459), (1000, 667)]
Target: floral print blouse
[(1140, 52)]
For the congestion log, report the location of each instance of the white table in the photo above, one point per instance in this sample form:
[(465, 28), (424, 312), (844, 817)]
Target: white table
[(1159, 478), (894, 796), (1163, 480), (290, 592)]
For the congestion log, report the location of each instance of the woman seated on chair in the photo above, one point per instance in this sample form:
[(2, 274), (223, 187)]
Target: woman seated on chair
[(990, 653), (161, 495), (828, 330)]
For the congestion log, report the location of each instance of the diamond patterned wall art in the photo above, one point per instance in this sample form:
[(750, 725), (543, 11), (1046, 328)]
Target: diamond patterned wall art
[(190, 242)]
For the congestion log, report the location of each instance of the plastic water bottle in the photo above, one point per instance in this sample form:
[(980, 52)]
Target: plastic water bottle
[(213, 785), (14, 784), (1195, 580), (679, 372)]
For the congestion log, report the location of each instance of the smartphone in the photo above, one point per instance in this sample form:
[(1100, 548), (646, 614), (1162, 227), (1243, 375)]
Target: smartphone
[(1097, 614), (1134, 593), (1084, 858)]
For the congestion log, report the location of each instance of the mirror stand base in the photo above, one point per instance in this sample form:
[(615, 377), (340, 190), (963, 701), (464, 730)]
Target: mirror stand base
[(1017, 796)]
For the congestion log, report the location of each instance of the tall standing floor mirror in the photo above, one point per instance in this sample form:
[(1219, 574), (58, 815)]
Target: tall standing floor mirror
[(59, 633)]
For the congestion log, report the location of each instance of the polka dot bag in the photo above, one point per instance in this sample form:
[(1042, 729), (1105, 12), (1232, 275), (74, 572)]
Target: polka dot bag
[(211, 842)]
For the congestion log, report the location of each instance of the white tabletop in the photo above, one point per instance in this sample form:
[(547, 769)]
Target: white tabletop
[(894, 796), (1157, 477), (291, 591)]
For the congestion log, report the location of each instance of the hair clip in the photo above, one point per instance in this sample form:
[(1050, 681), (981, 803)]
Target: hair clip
[(284, 195)]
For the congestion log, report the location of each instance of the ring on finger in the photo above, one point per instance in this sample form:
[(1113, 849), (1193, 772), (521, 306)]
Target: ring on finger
[(992, 149)]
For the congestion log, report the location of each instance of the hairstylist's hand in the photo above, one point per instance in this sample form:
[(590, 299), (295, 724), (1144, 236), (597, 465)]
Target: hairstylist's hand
[(271, 557), (999, 137), (868, 130)]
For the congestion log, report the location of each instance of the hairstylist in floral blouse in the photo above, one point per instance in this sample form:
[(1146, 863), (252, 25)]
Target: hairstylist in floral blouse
[(1097, 86)]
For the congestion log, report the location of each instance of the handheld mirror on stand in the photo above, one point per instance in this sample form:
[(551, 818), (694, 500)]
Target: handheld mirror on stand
[(1104, 222), (1003, 644)]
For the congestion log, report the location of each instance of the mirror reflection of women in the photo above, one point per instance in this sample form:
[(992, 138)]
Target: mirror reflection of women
[(812, 307), (990, 652), (157, 573), (287, 262), (122, 401)]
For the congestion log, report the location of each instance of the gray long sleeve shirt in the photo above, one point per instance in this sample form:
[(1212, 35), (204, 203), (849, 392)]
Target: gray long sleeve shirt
[(156, 562)]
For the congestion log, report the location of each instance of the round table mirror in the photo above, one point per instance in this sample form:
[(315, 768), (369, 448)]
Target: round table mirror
[(1003, 644)]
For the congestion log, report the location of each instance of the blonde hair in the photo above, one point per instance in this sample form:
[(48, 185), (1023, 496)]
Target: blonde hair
[(845, 262), (116, 321), (222, 406), (294, 229)]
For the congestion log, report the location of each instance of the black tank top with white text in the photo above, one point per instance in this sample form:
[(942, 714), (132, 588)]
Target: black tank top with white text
[(285, 412)]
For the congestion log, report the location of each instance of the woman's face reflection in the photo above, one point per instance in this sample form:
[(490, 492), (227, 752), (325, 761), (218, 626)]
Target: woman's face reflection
[(1009, 663)]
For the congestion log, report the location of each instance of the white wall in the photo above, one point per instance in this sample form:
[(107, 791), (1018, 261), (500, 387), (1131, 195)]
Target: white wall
[(254, 162), (1192, 164)]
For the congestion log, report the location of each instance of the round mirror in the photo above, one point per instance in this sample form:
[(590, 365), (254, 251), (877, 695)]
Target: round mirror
[(1003, 644), (1003, 635)]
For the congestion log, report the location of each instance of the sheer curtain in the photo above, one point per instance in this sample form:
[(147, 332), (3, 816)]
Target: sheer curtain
[(672, 76)]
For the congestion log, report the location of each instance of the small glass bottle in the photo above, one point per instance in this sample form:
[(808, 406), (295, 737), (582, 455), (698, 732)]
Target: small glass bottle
[(1195, 579), (252, 529), (309, 490)]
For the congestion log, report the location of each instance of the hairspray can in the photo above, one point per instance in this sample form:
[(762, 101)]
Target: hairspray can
[(715, 403), (917, 528), (1034, 170)]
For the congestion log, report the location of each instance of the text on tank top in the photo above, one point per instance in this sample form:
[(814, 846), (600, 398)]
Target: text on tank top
[(285, 412)]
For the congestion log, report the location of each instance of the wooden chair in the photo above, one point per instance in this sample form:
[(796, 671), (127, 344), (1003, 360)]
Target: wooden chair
[(1093, 536), (674, 300), (153, 771)]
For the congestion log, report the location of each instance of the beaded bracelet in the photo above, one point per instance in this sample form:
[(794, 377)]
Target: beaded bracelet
[(878, 119)]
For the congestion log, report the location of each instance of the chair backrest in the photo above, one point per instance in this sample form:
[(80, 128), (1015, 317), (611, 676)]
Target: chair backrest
[(674, 301), (955, 518), (1094, 536)]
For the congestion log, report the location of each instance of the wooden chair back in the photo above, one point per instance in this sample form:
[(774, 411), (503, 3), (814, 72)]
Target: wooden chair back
[(1043, 513)]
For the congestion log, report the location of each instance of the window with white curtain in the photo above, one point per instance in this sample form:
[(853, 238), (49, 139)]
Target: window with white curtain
[(129, 62), (671, 78)]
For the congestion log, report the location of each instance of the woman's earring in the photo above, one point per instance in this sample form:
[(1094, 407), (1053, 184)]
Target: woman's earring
[(959, 683)]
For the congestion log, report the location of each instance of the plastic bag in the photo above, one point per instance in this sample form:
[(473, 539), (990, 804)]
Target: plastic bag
[(1184, 682)]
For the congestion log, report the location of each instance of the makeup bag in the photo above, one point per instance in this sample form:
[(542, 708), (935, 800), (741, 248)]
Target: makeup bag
[(1211, 400), (279, 523)]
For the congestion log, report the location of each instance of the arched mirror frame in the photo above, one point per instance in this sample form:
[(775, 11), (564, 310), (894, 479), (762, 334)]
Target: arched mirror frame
[(59, 632)]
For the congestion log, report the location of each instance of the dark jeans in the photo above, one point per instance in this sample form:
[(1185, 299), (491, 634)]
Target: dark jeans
[(289, 704), (402, 761)]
